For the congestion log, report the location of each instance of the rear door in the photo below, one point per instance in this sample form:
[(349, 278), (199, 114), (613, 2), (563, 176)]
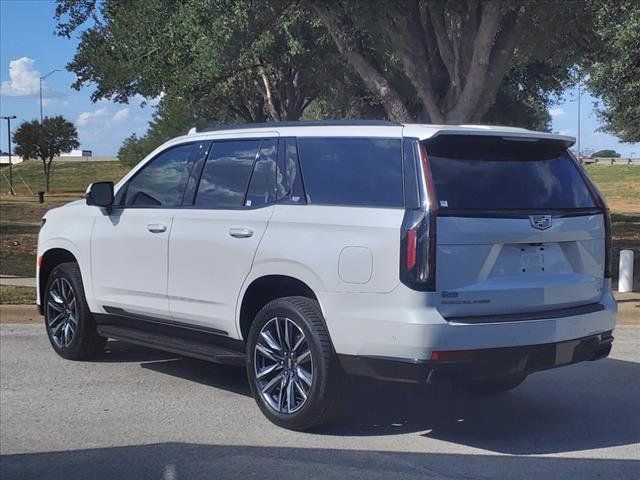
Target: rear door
[(215, 235), (518, 229)]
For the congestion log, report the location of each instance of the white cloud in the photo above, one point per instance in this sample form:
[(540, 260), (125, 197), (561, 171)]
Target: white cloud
[(24, 79), (121, 115), (556, 111), (86, 118), (102, 117), (48, 102), (566, 131)]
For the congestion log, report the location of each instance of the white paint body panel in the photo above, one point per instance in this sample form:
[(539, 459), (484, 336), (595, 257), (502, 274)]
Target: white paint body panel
[(503, 265), (129, 262), (310, 238), (407, 324), (208, 266)]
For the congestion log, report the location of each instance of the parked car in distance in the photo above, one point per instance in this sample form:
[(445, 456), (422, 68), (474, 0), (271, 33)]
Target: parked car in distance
[(471, 255)]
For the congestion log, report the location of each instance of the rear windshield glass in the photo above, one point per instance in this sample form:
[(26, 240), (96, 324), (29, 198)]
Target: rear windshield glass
[(363, 172), (485, 173)]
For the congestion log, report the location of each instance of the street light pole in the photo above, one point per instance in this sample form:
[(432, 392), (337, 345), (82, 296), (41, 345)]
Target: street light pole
[(579, 159), (8, 119), (42, 78)]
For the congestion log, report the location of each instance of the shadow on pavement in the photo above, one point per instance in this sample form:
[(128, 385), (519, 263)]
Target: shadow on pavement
[(173, 461), (581, 407)]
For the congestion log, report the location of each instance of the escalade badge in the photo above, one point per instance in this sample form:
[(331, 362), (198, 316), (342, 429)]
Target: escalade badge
[(541, 222)]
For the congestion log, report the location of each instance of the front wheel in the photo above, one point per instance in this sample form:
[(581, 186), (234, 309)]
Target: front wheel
[(292, 368), (70, 325)]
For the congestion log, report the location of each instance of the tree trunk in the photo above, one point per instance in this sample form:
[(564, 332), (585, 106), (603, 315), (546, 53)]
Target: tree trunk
[(47, 172), (454, 58), (371, 76)]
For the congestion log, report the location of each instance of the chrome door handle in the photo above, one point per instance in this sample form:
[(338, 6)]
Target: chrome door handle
[(240, 232), (156, 228)]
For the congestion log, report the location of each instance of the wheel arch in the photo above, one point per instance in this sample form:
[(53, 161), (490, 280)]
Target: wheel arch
[(264, 289), (49, 260)]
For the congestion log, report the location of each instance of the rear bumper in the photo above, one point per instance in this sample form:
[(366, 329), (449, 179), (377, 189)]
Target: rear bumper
[(483, 363), (405, 324)]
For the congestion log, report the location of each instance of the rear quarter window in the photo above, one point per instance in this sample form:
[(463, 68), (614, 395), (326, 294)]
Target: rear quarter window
[(487, 173), (352, 171)]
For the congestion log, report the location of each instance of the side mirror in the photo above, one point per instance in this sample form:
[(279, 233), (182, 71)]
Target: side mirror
[(100, 194)]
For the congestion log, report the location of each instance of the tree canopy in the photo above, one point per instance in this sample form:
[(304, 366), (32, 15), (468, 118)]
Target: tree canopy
[(613, 74), (605, 154), (445, 61), (45, 140), (245, 60)]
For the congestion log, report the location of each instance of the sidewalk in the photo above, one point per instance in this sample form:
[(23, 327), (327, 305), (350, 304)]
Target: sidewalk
[(17, 281)]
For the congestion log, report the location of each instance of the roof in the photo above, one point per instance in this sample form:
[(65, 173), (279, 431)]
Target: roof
[(376, 128)]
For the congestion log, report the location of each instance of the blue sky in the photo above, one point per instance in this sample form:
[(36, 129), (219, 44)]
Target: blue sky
[(29, 48)]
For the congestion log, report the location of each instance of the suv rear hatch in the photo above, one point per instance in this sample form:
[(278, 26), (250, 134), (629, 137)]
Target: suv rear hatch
[(519, 227)]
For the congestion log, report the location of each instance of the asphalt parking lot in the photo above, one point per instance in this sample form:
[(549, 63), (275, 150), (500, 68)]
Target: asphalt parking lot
[(137, 413)]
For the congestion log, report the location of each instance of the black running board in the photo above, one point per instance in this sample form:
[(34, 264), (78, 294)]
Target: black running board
[(181, 346)]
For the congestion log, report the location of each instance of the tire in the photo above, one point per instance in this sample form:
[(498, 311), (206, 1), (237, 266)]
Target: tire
[(67, 319), (271, 389), (493, 386)]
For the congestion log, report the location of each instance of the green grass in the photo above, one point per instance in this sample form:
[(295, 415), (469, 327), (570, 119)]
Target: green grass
[(20, 216), (21, 264), (620, 182), (19, 225), (10, 295), (66, 176)]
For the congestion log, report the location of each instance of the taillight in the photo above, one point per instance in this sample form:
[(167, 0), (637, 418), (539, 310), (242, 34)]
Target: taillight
[(606, 215), (607, 240), (412, 247), (418, 237)]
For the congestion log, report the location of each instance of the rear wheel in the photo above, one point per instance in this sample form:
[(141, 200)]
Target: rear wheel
[(493, 386), (70, 325), (292, 368)]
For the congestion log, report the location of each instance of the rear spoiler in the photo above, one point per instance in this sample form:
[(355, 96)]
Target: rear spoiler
[(542, 137)]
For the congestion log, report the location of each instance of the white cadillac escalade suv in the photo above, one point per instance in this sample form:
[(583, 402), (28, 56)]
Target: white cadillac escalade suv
[(306, 251)]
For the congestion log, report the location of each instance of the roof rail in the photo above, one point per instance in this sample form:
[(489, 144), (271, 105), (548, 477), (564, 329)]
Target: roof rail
[(303, 123)]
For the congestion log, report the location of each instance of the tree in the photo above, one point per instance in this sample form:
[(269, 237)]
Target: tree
[(245, 60), (446, 61), (613, 68), (605, 154), (452, 61), (173, 117), (45, 140)]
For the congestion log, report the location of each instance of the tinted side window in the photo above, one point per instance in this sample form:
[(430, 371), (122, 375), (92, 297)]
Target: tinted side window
[(200, 151), (263, 178), (226, 174), (289, 180), (161, 183), (352, 171)]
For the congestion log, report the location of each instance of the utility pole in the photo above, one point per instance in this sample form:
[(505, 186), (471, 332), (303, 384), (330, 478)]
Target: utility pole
[(8, 118), (42, 78), (579, 159)]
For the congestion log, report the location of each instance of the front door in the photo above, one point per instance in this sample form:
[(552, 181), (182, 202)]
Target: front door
[(129, 247)]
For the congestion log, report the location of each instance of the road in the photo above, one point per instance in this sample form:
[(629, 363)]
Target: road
[(140, 414)]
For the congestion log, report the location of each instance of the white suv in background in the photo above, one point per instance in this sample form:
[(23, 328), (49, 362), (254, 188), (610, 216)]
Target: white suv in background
[(415, 253)]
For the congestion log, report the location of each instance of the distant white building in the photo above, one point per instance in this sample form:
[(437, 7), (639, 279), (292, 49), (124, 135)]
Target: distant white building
[(4, 159), (77, 153)]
